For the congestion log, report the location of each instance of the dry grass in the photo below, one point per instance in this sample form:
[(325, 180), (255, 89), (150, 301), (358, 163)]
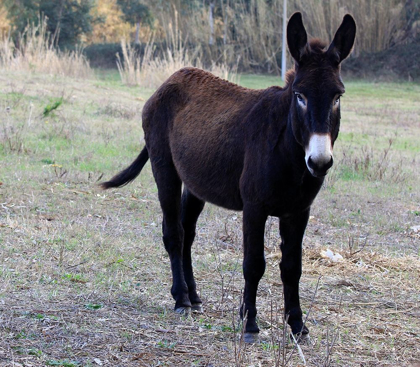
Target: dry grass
[(37, 53), (85, 279), (151, 71)]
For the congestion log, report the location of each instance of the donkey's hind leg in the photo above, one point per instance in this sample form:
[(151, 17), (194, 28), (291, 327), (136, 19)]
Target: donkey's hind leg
[(169, 191), (191, 209)]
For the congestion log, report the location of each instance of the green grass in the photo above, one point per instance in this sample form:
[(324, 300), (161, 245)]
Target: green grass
[(387, 92), (108, 76), (259, 81)]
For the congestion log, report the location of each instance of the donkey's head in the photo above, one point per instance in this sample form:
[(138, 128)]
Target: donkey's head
[(317, 88)]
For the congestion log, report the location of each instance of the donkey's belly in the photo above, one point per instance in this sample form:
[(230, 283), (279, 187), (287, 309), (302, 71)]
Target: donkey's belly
[(210, 173), (227, 199), (214, 186)]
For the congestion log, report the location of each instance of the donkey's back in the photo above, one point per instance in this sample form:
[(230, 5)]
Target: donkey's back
[(202, 125), (196, 99)]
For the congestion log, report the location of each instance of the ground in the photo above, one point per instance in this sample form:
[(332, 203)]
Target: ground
[(84, 277)]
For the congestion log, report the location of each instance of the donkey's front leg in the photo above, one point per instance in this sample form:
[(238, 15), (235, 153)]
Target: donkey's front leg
[(292, 229), (253, 266)]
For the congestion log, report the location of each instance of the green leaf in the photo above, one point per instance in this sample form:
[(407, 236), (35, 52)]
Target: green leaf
[(93, 306), (52, 106)]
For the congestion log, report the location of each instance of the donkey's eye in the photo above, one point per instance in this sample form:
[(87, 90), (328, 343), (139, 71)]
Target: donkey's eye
[(300, 98), (337, 100)]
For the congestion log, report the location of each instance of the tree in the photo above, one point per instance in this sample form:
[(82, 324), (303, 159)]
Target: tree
[(68, 20), (21, 13), (4, 22), (113, 28), (135, 12)]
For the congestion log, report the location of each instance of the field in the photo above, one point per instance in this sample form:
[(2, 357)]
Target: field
[(84, 277)]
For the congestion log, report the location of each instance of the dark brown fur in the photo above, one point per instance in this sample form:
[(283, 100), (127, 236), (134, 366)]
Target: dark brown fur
[(243, 149)]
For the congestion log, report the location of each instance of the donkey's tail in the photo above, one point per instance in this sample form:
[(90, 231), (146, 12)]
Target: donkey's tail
[(129, 174)]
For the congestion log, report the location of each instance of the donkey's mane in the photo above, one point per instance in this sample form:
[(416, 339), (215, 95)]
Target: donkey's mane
[(202, 77), (316, 46)]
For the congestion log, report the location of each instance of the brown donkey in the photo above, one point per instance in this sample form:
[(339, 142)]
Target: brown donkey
[(265, 152)]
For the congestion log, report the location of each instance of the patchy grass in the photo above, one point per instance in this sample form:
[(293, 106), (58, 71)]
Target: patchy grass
[(85, 278)]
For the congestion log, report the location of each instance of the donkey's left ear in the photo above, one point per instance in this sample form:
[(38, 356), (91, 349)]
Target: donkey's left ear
[(343, 41)]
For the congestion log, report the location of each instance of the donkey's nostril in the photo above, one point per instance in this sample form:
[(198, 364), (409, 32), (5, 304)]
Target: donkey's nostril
[(311, 164), (329, 164), (319, 168)]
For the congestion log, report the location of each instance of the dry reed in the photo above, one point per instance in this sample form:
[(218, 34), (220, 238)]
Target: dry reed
[(150, 71), (253, 29), (37, 52), (376, 21)]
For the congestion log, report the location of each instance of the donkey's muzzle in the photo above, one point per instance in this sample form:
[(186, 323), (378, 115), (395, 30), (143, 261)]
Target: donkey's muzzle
[(319, 168)]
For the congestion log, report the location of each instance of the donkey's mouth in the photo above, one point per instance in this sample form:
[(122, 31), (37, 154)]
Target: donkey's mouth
[(318, 174)]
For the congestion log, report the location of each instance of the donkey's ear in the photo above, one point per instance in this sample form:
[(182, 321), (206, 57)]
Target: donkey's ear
[(297, 38), (343, 41)]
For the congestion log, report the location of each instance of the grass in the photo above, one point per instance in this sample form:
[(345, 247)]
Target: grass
[(84, 277)]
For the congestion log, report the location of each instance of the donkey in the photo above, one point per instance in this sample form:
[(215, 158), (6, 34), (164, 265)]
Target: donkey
[(265, 152)]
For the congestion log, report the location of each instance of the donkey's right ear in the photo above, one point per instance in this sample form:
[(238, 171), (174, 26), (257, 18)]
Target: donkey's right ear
[(297, 38)]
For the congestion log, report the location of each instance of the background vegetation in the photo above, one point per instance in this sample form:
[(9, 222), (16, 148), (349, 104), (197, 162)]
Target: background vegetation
[(241, 33)]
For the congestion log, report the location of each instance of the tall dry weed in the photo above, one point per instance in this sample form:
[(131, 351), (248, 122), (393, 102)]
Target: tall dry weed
[(37, 52), (248, 30), (370, 163), (252, 29), (376, 21), (150, 71)]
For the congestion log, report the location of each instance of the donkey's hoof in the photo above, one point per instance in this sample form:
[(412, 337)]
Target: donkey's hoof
[(250, 338), (197, 308), (183, 310), (301, 338)]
